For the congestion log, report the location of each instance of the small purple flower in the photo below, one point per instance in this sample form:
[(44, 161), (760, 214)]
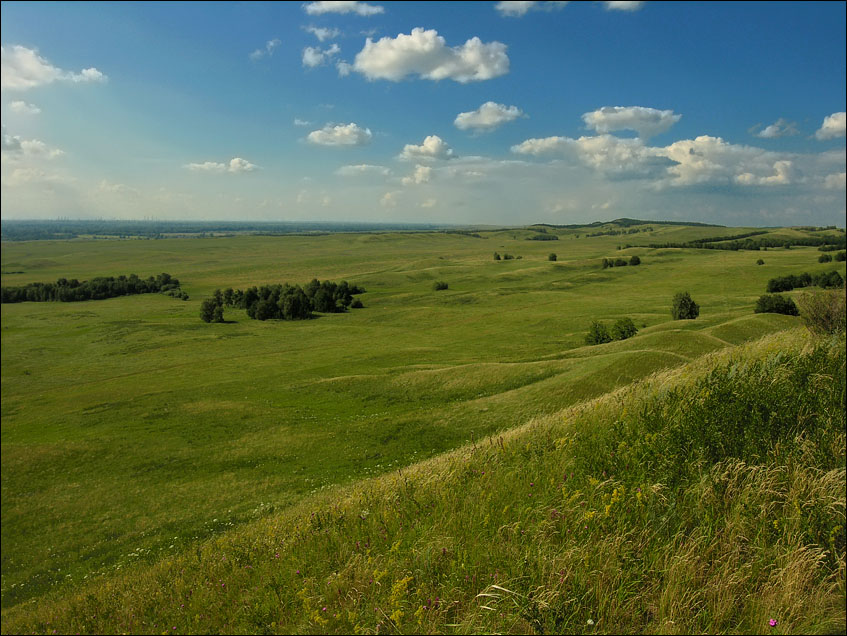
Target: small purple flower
[(773, 622)]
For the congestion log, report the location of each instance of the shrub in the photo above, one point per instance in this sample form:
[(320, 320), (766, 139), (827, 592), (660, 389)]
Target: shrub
[(841, 256), (824, 258), (211, 311), (683, 307), (357, 304), (551, 257), (635, 260), (620, 262), (597, 334), (775, 304), (496, 256), (760, 262), (823, 312), (623, 328), (507, 257), (439, 285)]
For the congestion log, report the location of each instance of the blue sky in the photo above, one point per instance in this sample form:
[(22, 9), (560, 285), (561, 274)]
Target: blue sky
[(479, 112)]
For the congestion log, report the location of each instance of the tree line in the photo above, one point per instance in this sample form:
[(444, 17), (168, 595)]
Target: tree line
[(64, 290), (283, 301), (620, 262), (825, 280), (732, 243)]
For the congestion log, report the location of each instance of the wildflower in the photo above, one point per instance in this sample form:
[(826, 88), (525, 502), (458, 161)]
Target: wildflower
[(589, 622), (773, 622)]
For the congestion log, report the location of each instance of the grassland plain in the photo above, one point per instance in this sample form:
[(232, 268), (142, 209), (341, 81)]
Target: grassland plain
[(132, 431)]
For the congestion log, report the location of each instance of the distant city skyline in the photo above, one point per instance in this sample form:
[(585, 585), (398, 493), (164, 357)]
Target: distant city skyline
[(502, 113)]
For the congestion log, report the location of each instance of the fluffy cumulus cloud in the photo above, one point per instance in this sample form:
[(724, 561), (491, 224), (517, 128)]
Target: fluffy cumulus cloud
[(422, 174), (389, 200), (22, 68), (236, 165), (322, 33), (780, 128), (432, 148), (15, 148), (784, 174), (425, 53), (314, 56), (487, 117), (833, 126), (520, 8), (359, 8), (647, 122), (270, 45), (362, 169), (22, 108), (340, 135)]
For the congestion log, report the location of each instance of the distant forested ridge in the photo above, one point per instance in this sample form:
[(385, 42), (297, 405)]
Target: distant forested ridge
[(746, 242), (64, 290)]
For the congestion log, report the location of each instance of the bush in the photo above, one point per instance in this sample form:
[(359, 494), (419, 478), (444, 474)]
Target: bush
[(211, 311), (760, 262), (439, 285), (357, 304), (635, 261), (597, 334), (841, 256), (824, 258), (823, 312), (775, 304), (551, 257), (623, 328), (683, 308), (496, 256)]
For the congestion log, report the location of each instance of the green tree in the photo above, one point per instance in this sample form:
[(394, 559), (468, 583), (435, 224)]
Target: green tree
[(597, 334), (552, 257), (635, 260), (207, 310), (683, 307), (775, 304), (439, 285), (760, 262), (623, 328)]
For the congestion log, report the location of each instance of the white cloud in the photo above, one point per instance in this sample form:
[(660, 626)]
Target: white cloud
[(623, 5), (268, 51), (426, 54), (487, 117), (235, 166), (389, 200), (429, 203), (301, 122), (344, 68), (314, 56), (833, 126), (22, 68), (519, 9), (780, 128), (432, 148), (837, 181), (22, 108), (647, 122), (362, 169), (359, 8), (422, 174), (340, 135), (784, 174), (15, 148), (322, 33)]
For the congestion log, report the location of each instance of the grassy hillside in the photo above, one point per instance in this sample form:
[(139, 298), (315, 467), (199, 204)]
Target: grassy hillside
[(132, 431), (705, 499)]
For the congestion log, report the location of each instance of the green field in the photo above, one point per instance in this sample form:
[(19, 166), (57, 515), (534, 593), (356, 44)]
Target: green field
[(132, 431)]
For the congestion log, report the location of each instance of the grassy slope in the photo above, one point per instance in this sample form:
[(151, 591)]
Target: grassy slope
[(131, 430), (704, 499)]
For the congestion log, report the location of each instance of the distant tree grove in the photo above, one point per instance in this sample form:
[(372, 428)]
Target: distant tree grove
[(283, 302), (824, 280), (64, 290)]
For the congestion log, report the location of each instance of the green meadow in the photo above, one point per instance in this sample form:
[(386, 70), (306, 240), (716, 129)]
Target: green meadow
[(135, 436)]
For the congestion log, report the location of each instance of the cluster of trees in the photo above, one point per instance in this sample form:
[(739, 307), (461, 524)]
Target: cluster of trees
[(734, 243), (825, 280), (72, 290), (776, 304), (505, 257), (620, 262), (284, 302), (683, 307), (827, 258), (634, 230), (544, 237), (598, 333)]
